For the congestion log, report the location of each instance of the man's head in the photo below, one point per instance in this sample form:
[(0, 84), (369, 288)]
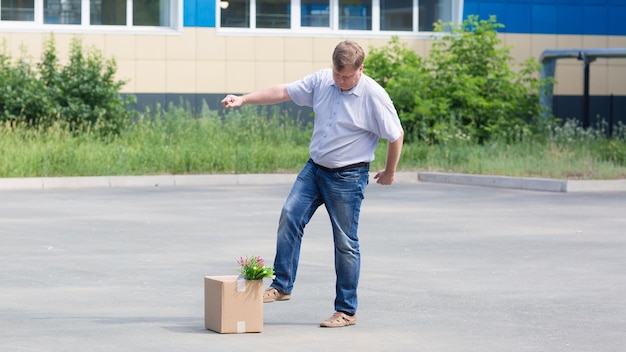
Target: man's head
[(348, 60)]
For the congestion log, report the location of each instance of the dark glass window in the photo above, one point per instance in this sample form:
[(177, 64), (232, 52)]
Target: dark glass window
[(17, 10), (396, 15), (355, 14), (315, 13), (107, 12)]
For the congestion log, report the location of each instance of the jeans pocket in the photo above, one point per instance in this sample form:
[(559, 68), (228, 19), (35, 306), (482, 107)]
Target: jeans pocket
[(349, 174)]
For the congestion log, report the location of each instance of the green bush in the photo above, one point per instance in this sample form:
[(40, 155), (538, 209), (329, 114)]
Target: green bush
[(465, 89), (21, 98), (83, 94)]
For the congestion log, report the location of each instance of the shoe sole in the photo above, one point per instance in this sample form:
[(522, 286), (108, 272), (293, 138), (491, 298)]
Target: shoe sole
[(284, 298), (326, 324), (337, 326)]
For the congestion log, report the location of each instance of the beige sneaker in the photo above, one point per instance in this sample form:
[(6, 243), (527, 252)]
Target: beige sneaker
[(272, 295), (339, 319)]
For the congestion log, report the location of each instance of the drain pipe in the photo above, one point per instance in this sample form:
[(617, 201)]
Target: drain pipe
[(586, 62)]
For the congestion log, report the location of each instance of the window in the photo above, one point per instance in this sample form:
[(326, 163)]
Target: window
[(315, 13), (91, 13), (273, 14), (430, 11), (235, 13), (354, 15), (151, 13), (61, 11), (396, 15), (17, 10), (112, 14)]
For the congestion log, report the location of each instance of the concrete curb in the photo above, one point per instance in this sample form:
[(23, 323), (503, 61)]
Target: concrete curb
[(522, 183), (525, 183), (143, 181)]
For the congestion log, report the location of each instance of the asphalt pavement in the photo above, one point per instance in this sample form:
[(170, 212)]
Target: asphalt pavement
[(444, 267)]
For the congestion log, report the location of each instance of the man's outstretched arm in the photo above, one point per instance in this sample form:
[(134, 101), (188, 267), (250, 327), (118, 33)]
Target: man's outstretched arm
[(271, 95)]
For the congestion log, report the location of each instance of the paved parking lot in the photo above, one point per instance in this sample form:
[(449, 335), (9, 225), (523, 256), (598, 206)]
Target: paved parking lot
[(444, 268)]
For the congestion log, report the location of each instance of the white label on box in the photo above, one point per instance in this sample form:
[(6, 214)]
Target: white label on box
[(241, 327), (241, 285)]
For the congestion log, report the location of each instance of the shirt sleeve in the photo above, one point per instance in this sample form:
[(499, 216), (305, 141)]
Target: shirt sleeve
[(387, 121), (302, 91)]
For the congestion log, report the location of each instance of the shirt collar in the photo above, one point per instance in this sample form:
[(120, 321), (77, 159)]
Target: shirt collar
[(356, 90)]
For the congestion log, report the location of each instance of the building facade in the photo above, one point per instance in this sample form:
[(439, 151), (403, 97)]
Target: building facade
[(199, 50)]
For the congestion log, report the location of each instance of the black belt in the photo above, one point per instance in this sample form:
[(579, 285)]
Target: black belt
[(343, 167)]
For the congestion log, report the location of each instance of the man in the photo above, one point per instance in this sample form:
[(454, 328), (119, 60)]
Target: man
[(351, 113)]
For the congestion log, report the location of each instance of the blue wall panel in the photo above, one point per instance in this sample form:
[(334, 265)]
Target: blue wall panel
[(543, 18), (595, 20), (617, 20), (517, 17), (569, 19), (189, 13), (577, 17), (199, 13), (584, 17)]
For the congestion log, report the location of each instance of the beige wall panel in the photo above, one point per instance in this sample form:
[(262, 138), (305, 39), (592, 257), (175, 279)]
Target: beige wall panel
[(297, 70), (210, 46), (32, 43), (183, 46), (569, 41), (270, 48), (521, 47), (5, 38), (151, 76), (541, 42), (322, 65), (240, 76), (617, 62), (598, 79), (617, 80), (126, 72), (595, 41), (323, 49), (94, 41), (268, 74), (616, 41), (181, 76), (120, 46), (569, 80), (428, 46), (211, 77), (381, 42), (240, 49), (421, 46), (151, 47), (298, 49)]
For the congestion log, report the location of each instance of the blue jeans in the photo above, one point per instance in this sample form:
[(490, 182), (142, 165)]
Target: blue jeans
[(341, 192)]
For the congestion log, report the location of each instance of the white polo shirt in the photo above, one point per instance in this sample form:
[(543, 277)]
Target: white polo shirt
[(348, 124)]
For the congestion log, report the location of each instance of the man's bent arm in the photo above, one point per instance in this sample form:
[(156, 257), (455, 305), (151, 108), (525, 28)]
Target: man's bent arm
[(386, 176)]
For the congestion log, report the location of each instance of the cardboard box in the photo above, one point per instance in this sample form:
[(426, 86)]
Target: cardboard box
[(233, 306)]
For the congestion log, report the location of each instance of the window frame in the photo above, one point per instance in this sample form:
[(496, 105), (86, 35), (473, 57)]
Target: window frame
[(38, 25), (333, 29)]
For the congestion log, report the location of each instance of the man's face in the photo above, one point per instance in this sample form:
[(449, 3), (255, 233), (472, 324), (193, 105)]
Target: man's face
[(347, 78)]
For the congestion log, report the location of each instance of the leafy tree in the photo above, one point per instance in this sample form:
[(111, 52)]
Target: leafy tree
[(467, 88), (21, 98), (81, 94), (85, 92)]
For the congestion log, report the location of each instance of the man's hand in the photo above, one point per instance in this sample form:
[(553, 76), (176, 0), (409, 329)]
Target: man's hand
[(232, 101), (384, 178)]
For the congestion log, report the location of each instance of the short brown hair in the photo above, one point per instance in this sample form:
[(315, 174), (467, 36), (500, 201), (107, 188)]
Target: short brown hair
[(348, 54)]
